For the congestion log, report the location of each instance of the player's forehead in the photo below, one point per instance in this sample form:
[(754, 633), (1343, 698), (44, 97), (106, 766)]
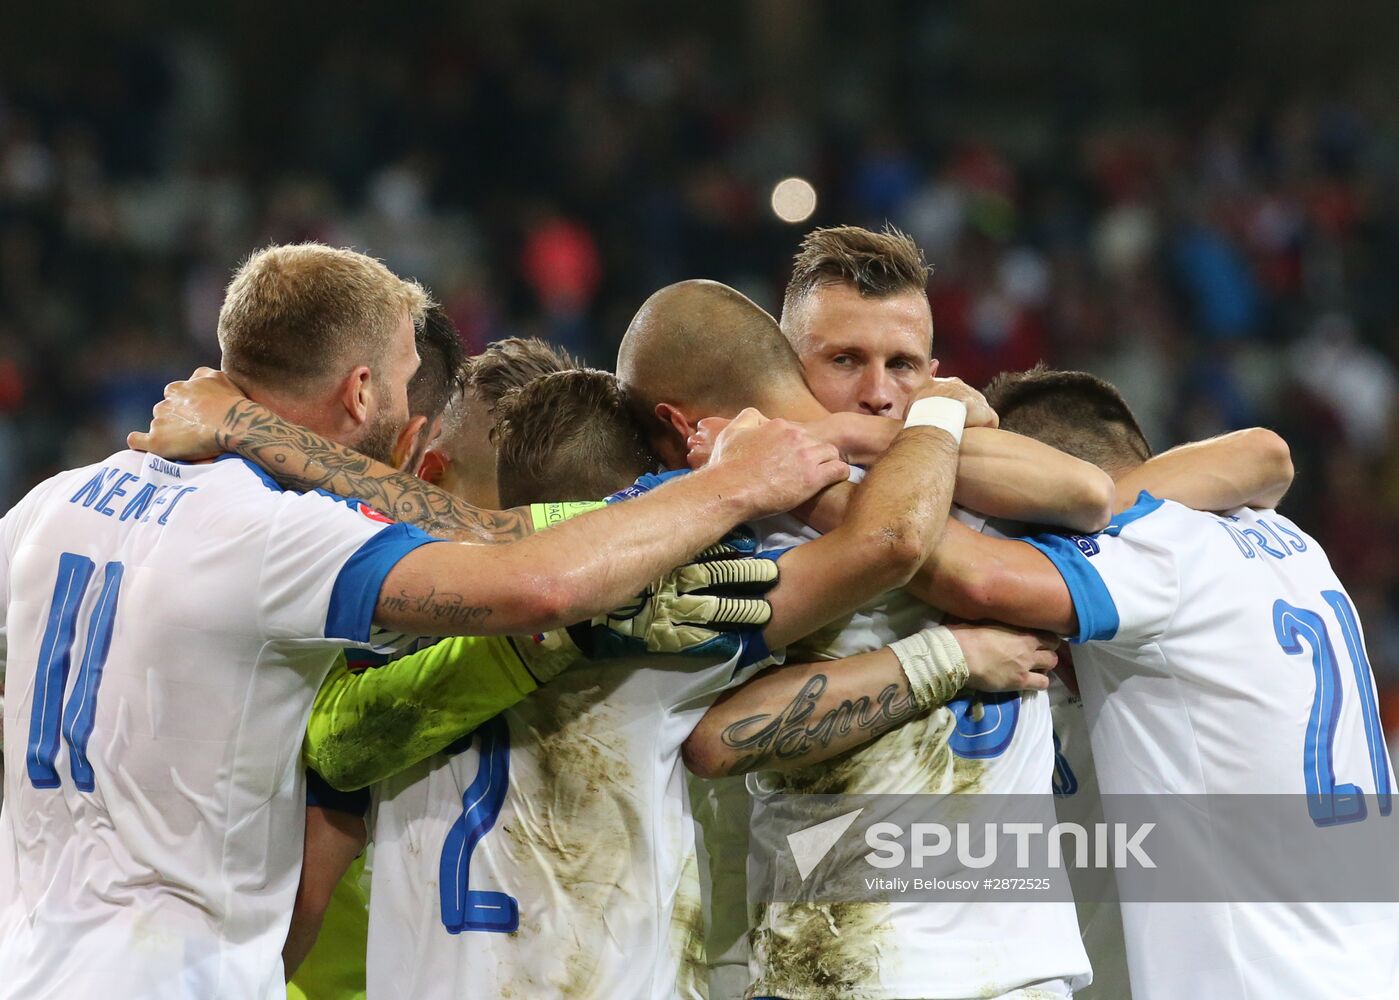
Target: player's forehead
[(836, 316)]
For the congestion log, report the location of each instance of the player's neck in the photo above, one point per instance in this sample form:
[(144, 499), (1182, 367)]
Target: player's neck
[(799, 408), (317, 415)]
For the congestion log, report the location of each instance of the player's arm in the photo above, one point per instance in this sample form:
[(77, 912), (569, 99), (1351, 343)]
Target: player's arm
[(895, 519), (981, 578), (334, 838), (1001, 474), (1014, 477), (1248, 468), (207, 415), (598, 561), (792, 716), (369, 725)]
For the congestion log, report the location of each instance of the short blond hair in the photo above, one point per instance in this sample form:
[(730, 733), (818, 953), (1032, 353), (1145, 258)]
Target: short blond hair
[(294, 315)]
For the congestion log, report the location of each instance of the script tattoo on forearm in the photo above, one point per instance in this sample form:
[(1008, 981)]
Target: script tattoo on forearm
[(303, 460), (444, 608), (792, 733)]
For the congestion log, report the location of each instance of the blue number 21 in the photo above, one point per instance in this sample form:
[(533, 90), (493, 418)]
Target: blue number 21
[(465, 908), (48, 717), (1328, 803)]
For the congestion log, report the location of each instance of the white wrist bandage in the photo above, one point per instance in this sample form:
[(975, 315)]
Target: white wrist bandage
[(941, 412), (934, 665)]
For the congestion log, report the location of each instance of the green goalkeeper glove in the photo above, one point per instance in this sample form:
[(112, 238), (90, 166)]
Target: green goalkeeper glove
[(712, 607)]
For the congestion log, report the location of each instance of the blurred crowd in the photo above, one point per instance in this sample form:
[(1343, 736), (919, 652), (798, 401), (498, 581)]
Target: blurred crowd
[(1226, 264)]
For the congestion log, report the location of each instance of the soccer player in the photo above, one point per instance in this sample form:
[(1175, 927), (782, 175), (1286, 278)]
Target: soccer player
[(334, 970), (856, 313), (1218, 654), (584, 854), (463, 461), (167, 626), (407, 808), (999, 948)]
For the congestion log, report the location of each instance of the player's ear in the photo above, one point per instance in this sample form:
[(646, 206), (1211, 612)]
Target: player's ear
[(933, 368), (407, 441), (674, 419), (433, 468), (356, 395), (669, 444)]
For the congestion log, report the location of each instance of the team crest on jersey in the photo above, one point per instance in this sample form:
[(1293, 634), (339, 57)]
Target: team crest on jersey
[(372, 514), (1086, 545)]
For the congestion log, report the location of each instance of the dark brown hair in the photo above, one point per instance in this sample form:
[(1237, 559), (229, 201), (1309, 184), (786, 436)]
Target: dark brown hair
[(567, 436), (441, 374), (1075, 412)]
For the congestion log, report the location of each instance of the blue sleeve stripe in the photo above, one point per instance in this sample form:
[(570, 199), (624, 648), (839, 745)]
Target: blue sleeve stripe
[(356, 591), (1097, 612)]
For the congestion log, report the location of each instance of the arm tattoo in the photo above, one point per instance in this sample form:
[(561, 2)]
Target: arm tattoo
[(303, 460), (444, 608), (792, 733)]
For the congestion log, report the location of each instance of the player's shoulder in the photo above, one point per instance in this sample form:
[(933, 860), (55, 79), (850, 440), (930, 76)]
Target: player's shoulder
[(62, 484), (1153, 520)]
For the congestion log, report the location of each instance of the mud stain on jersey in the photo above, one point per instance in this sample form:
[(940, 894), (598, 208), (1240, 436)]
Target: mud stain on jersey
[(820, 950), (821, 644), (913, 759), (687, 934), (576, 819)]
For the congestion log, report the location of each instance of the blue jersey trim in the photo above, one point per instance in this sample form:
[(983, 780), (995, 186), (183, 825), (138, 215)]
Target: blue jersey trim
[(256, 470), (319, 793), (1146, 503), (1096, 610), (646, 484), (356, 591), (753, 648)]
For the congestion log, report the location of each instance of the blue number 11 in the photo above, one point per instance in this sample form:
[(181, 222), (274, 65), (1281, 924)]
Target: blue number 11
[(48, 718), (1328, 803)]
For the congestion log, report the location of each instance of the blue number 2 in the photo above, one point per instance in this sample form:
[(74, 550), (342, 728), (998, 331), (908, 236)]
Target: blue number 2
[(48, 717), (465, 908), (1328, 803)]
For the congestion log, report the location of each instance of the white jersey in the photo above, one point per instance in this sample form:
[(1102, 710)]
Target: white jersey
[(553, 856), (996, 744), (167, 628), (1078, 800), (1204, 639)]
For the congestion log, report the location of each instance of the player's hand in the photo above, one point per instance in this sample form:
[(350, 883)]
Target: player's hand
[(1006, 659), (700, 444), (775, 464), (979, 412), (184, 425), (703, 608)]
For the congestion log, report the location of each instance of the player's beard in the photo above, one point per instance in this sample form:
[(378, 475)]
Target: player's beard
[(380, 436)]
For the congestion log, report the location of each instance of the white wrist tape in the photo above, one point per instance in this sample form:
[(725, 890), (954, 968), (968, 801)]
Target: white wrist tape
[(934, 665), (941, 412)]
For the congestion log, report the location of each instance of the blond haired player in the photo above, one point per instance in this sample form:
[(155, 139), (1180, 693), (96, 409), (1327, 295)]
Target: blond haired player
[(167, 626)]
